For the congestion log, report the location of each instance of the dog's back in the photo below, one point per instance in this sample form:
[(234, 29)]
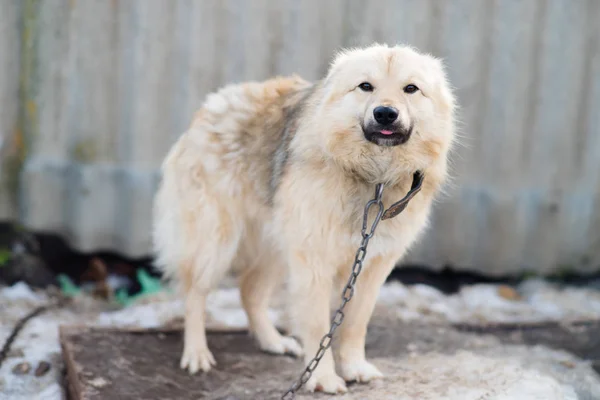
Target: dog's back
[(224, 161)]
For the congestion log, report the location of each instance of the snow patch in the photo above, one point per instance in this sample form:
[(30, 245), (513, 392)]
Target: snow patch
[(539, 301), (469, 376), (19, 291)]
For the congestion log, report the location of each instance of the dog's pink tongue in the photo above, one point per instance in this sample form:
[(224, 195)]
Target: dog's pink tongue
[(385, 132)]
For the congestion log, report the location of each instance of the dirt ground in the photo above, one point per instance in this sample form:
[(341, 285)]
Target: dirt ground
[(485, 342)]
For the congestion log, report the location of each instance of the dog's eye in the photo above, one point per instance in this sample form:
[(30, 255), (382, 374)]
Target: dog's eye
[(366, 87), (410, 88)]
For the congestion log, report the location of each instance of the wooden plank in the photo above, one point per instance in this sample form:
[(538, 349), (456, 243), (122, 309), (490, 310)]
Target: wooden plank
[(143, 364)]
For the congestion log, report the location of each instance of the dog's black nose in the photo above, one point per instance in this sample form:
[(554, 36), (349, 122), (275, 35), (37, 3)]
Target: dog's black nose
[(385, 115)]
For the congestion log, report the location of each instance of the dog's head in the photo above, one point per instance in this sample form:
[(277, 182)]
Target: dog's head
[(385, 111)]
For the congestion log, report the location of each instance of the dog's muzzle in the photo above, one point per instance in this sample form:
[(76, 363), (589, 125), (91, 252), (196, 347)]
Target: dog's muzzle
[(387, 135)]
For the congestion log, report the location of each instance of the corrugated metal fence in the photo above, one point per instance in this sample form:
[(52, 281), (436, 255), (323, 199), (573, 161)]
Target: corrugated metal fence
[(93, 92)]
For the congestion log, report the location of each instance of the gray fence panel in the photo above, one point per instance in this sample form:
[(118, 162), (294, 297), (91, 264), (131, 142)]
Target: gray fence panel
[(96, 91)]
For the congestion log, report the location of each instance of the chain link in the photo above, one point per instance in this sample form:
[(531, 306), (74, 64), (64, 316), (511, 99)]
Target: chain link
[(367, 233)]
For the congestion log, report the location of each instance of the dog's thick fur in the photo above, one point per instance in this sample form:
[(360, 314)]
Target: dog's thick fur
[(270, 180)]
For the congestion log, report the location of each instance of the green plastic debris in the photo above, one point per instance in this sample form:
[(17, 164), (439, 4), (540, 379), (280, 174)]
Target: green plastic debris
[(67, 286), (149, 286)]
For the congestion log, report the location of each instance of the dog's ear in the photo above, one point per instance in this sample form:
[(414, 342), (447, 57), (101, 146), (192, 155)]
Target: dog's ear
[(343, 54), (339, 58), (446, 96)]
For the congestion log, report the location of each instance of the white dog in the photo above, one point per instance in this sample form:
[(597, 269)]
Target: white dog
[(271, 179)]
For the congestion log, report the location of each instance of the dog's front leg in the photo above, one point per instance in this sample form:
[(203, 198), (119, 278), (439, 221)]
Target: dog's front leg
[(352, 333), (310, 295)]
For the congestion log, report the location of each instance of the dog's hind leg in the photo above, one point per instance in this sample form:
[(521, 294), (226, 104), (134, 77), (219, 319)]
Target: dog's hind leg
[(214, 254), (214, 262), (256, 287), (196, 355)]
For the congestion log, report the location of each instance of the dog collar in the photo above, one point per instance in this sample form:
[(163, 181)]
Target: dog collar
[(400, 205)]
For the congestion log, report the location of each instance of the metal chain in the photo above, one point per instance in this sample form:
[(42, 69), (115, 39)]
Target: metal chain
[(367, 233)]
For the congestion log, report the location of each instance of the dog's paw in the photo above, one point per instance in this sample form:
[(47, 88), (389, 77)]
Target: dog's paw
[(360, 371), (329, 383), (195, 359), (282, 345)]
